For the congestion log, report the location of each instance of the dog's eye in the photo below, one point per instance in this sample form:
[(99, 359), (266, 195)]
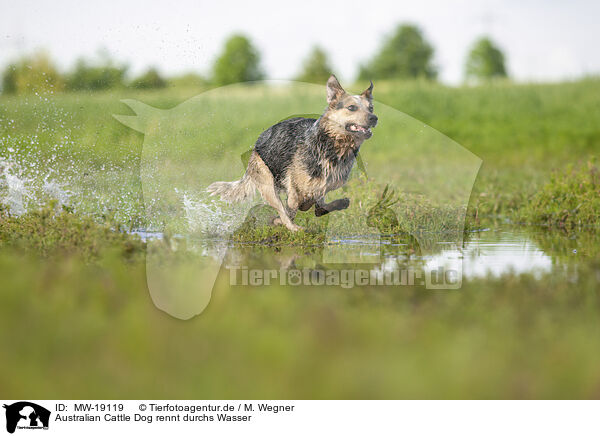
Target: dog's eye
[(352, 108), (370, 108)]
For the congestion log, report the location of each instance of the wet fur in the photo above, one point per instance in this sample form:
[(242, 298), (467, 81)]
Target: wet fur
[(305, 157)]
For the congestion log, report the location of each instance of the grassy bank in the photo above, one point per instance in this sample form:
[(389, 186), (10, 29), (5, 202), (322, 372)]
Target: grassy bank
[(569, 200), (74, 281), (51, 232)]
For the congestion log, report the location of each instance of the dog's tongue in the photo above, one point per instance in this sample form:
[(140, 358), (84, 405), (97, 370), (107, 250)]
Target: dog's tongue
[(359, 129)]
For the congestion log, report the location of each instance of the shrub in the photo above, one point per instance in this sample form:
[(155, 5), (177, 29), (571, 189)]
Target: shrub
[(406, 55), (316, 68), (149, 80), (239, 62), (105, 74), (36, 73), (485, 61)]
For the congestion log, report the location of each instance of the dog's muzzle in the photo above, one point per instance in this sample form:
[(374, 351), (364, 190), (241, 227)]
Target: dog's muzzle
[(372, 120)]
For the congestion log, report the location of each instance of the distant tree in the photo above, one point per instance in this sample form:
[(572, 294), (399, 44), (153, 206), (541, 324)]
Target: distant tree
[(316, 68), (149, 80), (188, 80), (239, 62), (102, 73), (406, 54), (34, 73), (485, 61), (9, 79)]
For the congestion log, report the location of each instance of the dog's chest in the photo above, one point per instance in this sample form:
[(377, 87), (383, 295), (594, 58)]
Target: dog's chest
[(319, 173), (335, 174)]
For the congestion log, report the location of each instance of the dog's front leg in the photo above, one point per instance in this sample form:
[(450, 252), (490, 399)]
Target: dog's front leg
[(290, 210), (322, 208)]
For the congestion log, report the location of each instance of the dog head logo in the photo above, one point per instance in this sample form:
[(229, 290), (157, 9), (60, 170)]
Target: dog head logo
[(189, 147), (26, 415)]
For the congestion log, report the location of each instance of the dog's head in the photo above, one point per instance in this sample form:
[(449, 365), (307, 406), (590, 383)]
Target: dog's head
[(350, 114)]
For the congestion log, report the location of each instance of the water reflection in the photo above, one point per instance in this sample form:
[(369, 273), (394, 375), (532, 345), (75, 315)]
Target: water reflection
[(498, 252), (489, 252), (194, 265)]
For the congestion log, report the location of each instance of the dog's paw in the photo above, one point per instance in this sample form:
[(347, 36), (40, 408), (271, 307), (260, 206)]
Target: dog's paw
[(275, 221), (319, 211), (342, 203), (295, 227)]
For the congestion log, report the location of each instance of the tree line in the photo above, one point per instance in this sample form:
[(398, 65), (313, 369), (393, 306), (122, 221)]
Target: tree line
[(405, 54)]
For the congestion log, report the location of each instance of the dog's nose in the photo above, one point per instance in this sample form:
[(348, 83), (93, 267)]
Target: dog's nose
[(372, 120)]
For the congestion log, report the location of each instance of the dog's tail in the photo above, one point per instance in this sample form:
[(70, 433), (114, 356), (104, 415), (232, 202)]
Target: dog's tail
[(233, 191)]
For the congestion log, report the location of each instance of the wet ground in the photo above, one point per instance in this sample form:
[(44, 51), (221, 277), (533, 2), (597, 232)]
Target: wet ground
[(488, 252)]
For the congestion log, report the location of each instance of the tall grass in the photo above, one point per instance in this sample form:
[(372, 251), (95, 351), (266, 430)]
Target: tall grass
[(76, 319), (522, 132)]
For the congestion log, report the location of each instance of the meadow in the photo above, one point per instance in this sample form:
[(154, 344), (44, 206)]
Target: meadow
[(77, 320)]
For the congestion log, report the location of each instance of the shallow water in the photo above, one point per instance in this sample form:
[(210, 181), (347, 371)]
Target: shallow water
[(502, 251), (490, 252)]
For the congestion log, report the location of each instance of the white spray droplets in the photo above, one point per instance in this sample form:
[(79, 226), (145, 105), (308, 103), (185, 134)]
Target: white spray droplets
[(204, 215), (13, 192)]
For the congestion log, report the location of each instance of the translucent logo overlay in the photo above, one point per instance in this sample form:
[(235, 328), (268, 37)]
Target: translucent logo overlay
[(408, 191)]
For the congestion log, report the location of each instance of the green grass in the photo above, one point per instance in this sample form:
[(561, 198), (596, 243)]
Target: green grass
[(74, 283), (522, 133), (51, 232), (98, 334), (507, 124), (571, 199), (376, 210)]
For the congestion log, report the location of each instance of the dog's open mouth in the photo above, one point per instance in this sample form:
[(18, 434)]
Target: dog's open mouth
[(352, 127)]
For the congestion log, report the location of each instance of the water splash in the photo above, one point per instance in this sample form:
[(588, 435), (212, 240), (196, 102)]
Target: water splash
[(56, 191), (205, 215), (42, 160), (13, 191)]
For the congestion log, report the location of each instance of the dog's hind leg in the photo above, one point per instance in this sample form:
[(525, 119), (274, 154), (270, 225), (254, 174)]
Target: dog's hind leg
[(265, 183), (322, 208)]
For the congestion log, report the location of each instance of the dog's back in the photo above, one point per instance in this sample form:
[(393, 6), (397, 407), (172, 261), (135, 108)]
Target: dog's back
[(279, 143)]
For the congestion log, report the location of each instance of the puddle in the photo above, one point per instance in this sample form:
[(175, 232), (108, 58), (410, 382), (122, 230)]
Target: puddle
[(490, 252), (368, 261), (147, 235), (499, 252)]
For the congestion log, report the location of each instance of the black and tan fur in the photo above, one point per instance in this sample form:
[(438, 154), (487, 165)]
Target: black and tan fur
[(306, 157)]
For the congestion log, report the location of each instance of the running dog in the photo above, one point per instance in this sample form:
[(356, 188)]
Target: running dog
[(306, 157)]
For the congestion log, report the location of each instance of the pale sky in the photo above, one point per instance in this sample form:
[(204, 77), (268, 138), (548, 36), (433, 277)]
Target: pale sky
[(543, 40)]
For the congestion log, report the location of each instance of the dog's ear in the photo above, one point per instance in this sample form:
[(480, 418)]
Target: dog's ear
[(334, 89), (368, 93)]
